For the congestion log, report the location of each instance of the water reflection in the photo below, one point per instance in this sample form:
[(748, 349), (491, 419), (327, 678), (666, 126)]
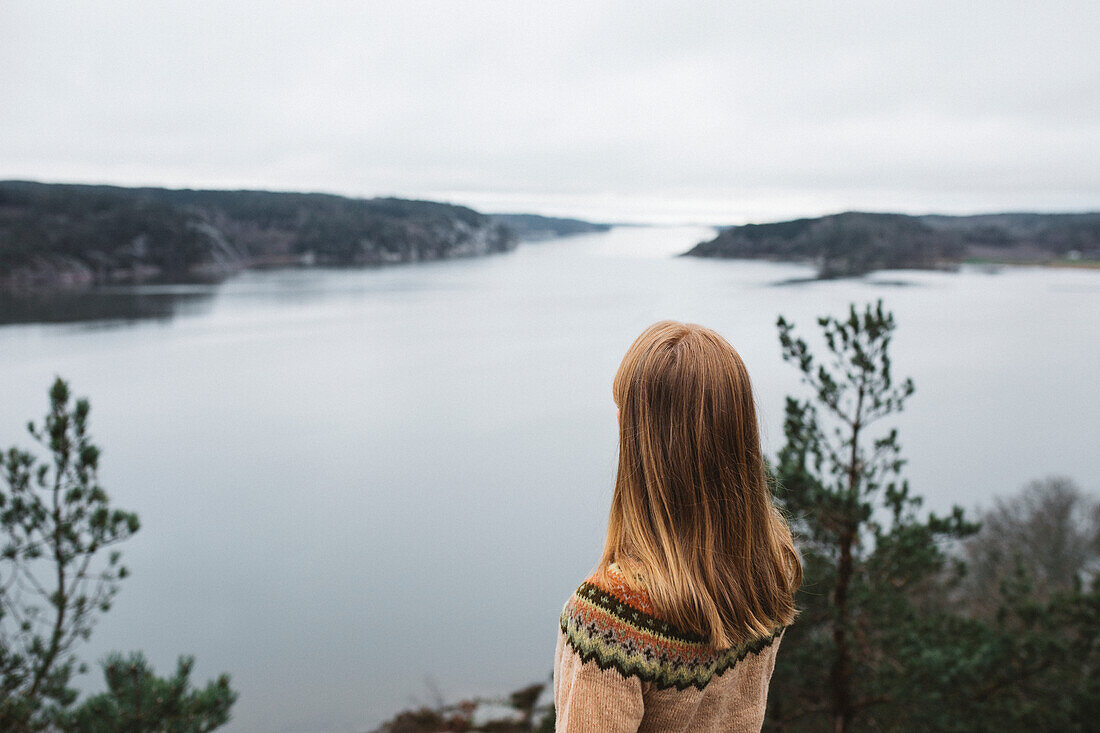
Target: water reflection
[(107, 305)]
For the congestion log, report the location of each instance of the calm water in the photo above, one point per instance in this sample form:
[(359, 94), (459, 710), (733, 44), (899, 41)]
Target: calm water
[(360, 486)]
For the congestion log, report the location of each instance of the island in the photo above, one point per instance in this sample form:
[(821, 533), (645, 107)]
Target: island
[(855, 243)]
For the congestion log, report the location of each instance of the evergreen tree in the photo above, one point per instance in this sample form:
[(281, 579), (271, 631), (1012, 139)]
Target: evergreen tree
[(1028, 616), (58, 572), (57, 524), (873, 567), (137, 701)]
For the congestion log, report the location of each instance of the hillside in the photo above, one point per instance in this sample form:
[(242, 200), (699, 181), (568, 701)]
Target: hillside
[(535, 228), (854, 243), (66, 235)]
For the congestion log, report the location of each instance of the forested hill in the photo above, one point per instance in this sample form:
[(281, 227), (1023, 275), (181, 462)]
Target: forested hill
[(854, 243), (534, 228), (64, 234)]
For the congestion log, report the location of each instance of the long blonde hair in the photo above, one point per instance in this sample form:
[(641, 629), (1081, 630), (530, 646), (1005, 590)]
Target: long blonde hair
[(692, 517)]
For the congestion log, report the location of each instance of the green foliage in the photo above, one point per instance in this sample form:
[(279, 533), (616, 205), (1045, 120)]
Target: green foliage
[(1030, 605), (58, 572), (872, 564), (137, 701), (894, 633), (1032, 666)]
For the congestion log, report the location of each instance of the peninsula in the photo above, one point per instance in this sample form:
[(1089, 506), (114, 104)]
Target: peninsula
[(68, 235)]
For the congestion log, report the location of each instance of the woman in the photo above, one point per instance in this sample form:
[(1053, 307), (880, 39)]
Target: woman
[(678, 626)]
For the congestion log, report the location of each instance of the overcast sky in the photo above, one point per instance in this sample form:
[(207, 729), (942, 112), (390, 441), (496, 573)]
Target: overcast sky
[(643, 111)]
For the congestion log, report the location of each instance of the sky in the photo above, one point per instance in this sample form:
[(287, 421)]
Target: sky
[(676, 112)]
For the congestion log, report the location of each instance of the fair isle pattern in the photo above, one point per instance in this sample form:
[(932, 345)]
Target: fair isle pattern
[(615, 627)]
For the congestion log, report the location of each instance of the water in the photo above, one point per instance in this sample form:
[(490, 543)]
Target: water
[(359, 487)]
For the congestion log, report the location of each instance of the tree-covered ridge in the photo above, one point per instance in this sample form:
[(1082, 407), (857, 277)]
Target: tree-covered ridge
[(854, 243), (533, 227), (66, 233)]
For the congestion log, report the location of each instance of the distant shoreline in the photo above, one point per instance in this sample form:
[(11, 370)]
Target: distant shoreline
[(69, 237), (855, 243), (72, 237), (1063, 264)]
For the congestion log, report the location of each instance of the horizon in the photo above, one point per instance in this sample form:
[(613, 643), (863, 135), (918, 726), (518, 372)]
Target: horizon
[(718, 113), (562, 213)]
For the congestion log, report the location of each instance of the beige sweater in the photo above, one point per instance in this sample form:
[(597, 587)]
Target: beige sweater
[(618, 667)]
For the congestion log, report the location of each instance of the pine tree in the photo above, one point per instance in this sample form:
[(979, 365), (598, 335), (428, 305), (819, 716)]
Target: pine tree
[(58, 573), (137, 701), (872, 566)]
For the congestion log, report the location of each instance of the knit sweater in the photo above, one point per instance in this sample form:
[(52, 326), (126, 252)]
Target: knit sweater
[(619, 667)]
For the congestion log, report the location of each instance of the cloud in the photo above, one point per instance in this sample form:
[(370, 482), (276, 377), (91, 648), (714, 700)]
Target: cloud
[(728, 110)]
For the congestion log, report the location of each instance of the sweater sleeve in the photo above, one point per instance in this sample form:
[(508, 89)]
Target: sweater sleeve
[(588, 698)]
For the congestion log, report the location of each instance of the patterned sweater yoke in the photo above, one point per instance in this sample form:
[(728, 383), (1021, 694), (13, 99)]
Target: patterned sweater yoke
[(620, 666)]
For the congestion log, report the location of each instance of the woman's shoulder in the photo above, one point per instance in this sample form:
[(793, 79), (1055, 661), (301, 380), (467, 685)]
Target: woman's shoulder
[(610, 620), (609, 589), (608, 603)]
